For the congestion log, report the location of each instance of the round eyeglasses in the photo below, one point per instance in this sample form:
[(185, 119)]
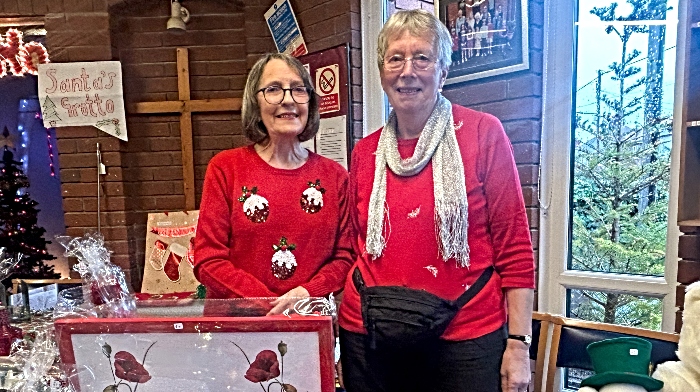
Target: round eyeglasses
[(397, 62), (274, 95)]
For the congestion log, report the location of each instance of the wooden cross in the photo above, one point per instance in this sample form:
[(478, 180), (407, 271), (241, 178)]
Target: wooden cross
[(186, 106)]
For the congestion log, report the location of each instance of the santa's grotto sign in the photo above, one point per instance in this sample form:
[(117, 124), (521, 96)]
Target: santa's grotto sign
[(87, 93)]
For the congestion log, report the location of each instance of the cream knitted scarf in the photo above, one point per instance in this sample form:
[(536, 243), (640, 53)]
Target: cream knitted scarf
[(437, 143)]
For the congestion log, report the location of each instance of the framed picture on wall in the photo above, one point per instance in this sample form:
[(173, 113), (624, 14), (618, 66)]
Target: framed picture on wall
[(489, 37)]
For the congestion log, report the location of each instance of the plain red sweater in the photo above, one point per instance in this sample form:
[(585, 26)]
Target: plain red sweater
[(498, 231), (234, 254)]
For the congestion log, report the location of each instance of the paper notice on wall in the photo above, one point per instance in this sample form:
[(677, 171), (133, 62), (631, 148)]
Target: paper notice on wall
[(331, 139), (285, 29), (328, 88), (90, 93)]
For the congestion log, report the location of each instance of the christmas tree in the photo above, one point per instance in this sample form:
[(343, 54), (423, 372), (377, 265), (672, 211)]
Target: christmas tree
[(49, 111), (19, 232)]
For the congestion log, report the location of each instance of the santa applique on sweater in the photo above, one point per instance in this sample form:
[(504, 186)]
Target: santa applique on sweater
[(283, 261), (255, 207), (312, 197)]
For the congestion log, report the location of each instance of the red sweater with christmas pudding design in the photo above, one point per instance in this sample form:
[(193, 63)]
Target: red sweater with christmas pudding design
[(263, 231), (498, 231)]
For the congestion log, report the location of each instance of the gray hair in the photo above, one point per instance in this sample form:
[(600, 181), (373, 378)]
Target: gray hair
[(419, 23), (250, 112)]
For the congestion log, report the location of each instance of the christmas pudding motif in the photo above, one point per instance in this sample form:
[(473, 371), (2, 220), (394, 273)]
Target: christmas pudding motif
[(283, 261), (312, 197), (255, 207)]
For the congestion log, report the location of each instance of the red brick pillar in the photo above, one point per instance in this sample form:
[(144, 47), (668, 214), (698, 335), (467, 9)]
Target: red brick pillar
[(78, 30)]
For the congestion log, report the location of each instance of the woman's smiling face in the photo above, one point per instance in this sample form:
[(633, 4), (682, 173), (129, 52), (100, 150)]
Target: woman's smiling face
[(287, 118), (411, 90)]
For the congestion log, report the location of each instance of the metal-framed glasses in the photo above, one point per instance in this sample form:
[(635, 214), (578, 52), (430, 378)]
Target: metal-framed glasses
[(397, 62), (274, 95)]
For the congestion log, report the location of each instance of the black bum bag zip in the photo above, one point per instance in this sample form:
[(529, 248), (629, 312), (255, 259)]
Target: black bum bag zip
[(400, 317)]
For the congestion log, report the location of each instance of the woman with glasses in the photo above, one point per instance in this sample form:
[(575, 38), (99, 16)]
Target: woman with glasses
[(273, 219), (444, 256)]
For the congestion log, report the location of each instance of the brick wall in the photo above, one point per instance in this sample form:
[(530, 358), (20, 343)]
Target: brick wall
[(224, 39), (152, 164), (516, 99)]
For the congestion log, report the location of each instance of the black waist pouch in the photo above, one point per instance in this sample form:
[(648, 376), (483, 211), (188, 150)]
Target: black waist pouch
[(399, 317)]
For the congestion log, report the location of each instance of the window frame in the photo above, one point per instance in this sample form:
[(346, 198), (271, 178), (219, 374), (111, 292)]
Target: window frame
[(555, 176), (374, 115), (374, 104)]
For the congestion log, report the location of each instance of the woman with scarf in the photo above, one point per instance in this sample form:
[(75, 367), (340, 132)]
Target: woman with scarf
[(441, 294)]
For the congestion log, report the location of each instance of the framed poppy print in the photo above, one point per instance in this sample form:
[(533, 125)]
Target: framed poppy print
[(277, 353)]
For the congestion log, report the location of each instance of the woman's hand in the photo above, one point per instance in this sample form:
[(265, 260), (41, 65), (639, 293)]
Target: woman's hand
[(515, 368), (287, 300)]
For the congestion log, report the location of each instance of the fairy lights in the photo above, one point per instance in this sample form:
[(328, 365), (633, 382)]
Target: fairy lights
[(49, 141), (19, 58)]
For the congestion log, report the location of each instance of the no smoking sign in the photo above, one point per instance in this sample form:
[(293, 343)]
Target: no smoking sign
[(327, 88)]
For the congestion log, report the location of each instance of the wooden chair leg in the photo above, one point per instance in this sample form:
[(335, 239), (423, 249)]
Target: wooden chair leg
[(553, 352)]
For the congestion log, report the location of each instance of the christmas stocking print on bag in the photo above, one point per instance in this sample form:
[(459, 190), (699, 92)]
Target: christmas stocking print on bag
[(158, 255), (170, 253), (172, 265)]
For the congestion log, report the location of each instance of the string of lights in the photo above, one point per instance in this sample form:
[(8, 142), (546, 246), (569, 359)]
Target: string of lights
[(49, 141)]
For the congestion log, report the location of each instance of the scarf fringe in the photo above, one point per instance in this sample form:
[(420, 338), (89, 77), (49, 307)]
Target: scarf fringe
[(451, 231), (376, 247)]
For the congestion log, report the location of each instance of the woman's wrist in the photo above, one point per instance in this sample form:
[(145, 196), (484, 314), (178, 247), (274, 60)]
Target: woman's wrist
[(516, 344)]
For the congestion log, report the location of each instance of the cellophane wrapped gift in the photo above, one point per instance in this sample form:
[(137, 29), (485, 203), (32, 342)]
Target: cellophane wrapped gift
[(7, 262), (8, 333), (38, 363), (104, 284), (33, 364)]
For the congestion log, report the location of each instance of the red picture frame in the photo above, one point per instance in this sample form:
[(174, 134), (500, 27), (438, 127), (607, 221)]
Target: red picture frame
[(202, 353)]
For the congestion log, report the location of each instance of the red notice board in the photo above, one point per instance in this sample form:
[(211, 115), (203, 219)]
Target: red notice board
[(330, 73)]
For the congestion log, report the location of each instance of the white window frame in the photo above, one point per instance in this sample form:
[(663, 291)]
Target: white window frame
[(373, 102), (554, 278)]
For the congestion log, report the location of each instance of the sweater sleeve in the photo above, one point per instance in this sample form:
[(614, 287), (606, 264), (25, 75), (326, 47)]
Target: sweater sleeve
[(213, 267), (359, 234), (510, 233), (331, 276)]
